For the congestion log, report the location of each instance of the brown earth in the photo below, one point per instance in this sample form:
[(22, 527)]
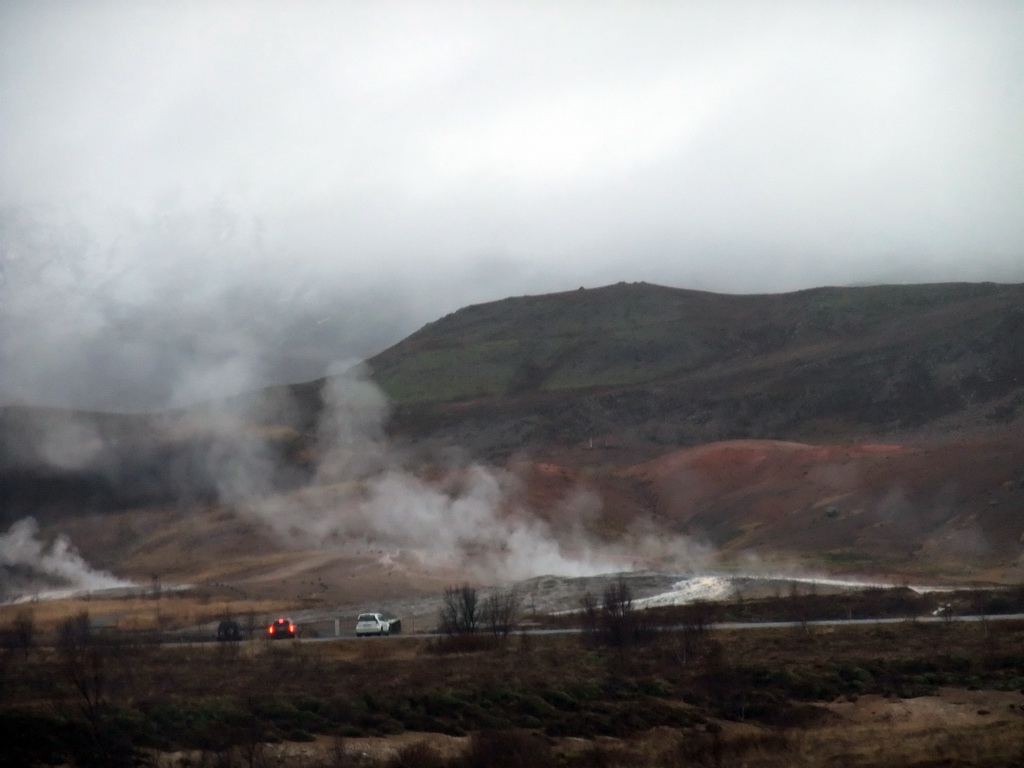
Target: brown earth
[(918, 507), (939, 511), (874, 431)]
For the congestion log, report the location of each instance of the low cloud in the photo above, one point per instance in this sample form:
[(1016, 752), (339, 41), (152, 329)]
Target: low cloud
[(197, 199)]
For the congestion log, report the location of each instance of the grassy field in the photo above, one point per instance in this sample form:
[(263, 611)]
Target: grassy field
[(905, 694)]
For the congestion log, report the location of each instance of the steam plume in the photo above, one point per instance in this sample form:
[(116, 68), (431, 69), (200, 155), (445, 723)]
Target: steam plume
[(26, 563), (470, 518)]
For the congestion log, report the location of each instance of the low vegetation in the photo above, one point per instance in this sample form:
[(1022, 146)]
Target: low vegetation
[(636, 692)]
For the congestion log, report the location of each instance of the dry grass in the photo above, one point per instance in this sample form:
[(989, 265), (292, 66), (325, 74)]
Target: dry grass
[(171, 611), (899, 695), (866, 747), (935, 743)]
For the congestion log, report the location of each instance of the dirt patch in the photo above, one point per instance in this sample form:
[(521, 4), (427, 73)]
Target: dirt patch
[(919, 507), (950, 706), (332, 751)]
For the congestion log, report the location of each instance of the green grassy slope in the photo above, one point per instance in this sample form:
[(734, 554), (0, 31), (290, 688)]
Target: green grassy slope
[(629, 334)]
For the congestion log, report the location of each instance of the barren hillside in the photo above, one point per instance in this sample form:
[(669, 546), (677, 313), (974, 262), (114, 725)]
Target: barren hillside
[(867, 430)]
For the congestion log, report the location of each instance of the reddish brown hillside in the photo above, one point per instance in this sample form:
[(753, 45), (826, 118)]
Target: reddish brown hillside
[(858, 504), (951, 508)]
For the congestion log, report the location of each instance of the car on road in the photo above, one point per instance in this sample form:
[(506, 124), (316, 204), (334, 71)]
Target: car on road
[(229, 630), (282, 629), (377, 624)]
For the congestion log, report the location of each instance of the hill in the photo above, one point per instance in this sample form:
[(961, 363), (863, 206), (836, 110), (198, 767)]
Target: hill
[(873, 429), (661, 367)]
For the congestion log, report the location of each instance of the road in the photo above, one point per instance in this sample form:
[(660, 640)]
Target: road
[(725, 625)]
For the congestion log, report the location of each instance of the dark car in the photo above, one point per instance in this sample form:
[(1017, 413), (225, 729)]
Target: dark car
[(281, 629), (229, 630)]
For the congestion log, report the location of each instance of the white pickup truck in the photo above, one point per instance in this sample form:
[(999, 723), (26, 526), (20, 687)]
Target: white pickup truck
[(377, 624)]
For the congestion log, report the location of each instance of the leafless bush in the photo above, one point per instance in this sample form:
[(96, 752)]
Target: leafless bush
[(418, 755), (525, 643), (501, 611), (250, 624), (702, 748), (83, 662), (459, 611), (617, 613), (341, 756), (697, 618), (616, 621), (597, 755), (591, 618), (711, 747), (20, 634), (216, 758), (84, 666), (253, 750), (508, 749)]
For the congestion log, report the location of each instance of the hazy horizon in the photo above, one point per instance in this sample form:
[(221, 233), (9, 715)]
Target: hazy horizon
[(202, 198)]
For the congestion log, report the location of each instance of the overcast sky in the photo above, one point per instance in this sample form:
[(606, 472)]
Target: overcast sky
[(198, 197)]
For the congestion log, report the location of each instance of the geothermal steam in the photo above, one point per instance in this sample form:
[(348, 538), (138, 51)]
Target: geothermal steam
[(365, 498), (29, 566), (364, 495)]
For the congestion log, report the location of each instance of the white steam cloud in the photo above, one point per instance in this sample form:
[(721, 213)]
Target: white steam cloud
[(351, 491), (467, 517), (27, 562)]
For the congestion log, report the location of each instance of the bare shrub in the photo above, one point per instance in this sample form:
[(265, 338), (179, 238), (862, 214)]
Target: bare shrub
[(217, 758), (501, 611), (508, 749), (525, 643), (20, 635), (697, 618), (618, 616), (616, 622), (418, 755), (597, 755), (227, 653), (340, 756), (711, 747), (460, 610), (250, 624), (591, 618), (252, 749), (83, 663)]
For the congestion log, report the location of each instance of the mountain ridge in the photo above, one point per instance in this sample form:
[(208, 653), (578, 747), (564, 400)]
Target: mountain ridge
[(752, 366)]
